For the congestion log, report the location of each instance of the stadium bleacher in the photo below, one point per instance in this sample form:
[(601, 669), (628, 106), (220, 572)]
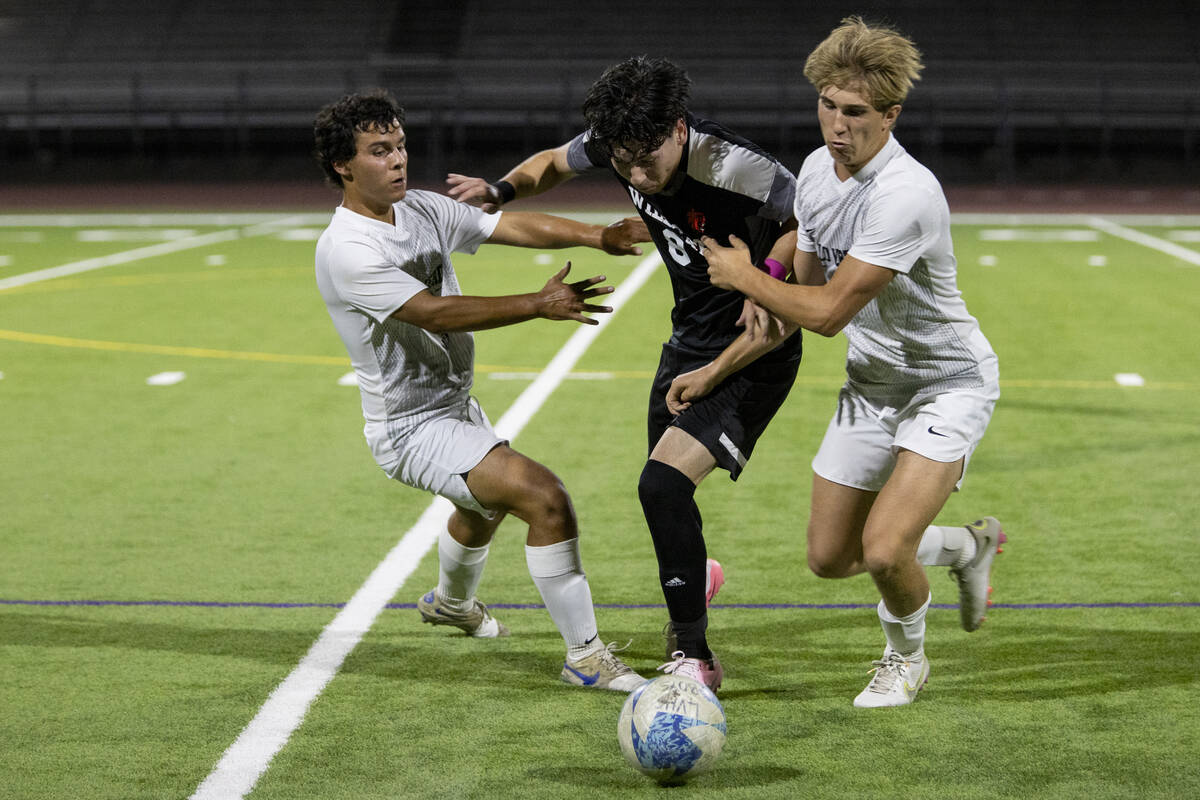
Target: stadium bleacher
[(1009, 87)]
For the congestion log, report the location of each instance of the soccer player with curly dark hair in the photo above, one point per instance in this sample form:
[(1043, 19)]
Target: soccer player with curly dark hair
[(687, 177)]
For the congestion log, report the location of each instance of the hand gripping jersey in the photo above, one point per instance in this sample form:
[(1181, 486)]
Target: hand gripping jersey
[(724, 185)]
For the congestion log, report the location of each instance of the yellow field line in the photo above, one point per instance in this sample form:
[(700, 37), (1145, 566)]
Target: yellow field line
[(158, 349), (284, 358)]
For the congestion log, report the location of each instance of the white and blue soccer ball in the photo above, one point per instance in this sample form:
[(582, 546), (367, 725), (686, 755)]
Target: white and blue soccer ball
[(672, 729)]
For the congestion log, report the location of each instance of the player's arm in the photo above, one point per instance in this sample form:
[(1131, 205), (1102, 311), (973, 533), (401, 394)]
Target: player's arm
[(823, 309), (755, 319), (763, 332), (548, 232), (741, 352), (557, 300), (536, 174)]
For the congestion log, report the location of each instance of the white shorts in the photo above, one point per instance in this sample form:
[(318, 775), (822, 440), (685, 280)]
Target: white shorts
[(865, 435), (438, 454)]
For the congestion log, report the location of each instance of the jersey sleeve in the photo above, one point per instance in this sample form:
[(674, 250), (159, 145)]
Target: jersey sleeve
[(901, 224), (584, 156), (464, 227), (364, 280)]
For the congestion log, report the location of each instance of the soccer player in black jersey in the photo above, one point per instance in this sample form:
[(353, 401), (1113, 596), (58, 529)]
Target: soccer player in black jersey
[(717, 386)]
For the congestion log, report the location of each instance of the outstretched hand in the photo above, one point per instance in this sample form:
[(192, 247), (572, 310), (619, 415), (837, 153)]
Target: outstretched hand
[(560, 300), (474, 192), (726, 265), (618, 239)]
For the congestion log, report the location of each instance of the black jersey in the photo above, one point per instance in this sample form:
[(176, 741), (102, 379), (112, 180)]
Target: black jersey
[(724, 185)]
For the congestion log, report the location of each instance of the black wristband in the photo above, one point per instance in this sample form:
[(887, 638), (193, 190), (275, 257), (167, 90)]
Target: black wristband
[(507, 190)]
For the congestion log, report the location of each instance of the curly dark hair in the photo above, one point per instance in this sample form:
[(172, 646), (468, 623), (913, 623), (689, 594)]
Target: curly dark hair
[(637, 102), (337, 124)]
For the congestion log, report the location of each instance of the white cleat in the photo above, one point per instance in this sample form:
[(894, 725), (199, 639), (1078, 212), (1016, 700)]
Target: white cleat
[(974, 579), (601, 669), (476, 621), (895, 683)]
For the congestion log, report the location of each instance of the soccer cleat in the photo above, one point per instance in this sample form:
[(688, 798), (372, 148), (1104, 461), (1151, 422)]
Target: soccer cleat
[(475, 622), (707, 672), (974, 578), (714, 579), (601, 669), (895, 683)]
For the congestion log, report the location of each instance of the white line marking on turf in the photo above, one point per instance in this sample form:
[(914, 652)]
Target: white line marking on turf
[(1129, 379), (88, 264), (252, 752), (166, 379), (150, 251), (1026, 235), (528, 376), (118, 220), (1146, 240)]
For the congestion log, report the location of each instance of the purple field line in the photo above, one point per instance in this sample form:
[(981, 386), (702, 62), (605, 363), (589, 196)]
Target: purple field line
[(767, 606)]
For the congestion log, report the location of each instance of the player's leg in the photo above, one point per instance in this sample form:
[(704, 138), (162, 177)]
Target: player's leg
[(462, 555), (676, 463), (667, 490), (836, 520), (435, 458), (905, 507), (948, 428), (508, 480), (718, 430)]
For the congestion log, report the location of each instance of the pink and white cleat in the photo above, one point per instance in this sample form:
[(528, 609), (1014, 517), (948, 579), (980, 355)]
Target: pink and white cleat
[(708, 673)]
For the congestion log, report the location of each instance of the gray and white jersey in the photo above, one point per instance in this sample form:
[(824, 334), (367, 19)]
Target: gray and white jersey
[(916, 337), (366, 270)]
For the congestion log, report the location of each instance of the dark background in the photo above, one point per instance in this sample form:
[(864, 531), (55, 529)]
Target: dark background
[(1059, 93)]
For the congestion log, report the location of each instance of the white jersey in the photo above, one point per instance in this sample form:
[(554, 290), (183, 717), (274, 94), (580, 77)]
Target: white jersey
[(366, 270), (915, 338)]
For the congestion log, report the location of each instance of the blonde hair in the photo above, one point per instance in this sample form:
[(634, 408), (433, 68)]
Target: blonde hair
[(879, 61)]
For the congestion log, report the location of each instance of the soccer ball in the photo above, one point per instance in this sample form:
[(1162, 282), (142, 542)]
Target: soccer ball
[(672, 728)]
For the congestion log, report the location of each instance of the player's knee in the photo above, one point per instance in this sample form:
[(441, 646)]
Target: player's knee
[(824, 566), (549, 505), (832, 553), (661, 484), (882, 559)]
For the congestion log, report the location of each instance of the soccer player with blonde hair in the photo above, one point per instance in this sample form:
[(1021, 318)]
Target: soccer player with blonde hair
[(873, 259)]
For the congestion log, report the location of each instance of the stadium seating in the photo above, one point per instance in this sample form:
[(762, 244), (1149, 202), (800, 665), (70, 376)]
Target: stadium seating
[(1000, 80)]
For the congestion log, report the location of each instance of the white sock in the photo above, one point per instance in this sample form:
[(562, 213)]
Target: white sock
[(946, 546), (557, 571), (459, 570), (905, 635)]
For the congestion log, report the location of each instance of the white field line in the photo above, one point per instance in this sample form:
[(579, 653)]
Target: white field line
[(239, 769), (150, 251), (158, 220), (1146, 240), (1040, 220)]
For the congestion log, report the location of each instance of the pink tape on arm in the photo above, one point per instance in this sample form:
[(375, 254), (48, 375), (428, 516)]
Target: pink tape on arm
[(773, 268)]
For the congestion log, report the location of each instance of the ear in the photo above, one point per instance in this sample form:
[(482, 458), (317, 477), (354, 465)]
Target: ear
[(343, 168), (680, 131), (891, 115)]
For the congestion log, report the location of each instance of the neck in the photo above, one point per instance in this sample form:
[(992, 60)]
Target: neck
[(382, 212)]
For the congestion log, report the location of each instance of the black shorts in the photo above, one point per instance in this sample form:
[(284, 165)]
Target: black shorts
[(728, 420)]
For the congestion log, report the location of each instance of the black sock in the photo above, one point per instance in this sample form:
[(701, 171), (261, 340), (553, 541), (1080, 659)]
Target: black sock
[(668, 502)]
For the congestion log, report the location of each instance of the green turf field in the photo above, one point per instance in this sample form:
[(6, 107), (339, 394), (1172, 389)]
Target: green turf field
[(187, 503)]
